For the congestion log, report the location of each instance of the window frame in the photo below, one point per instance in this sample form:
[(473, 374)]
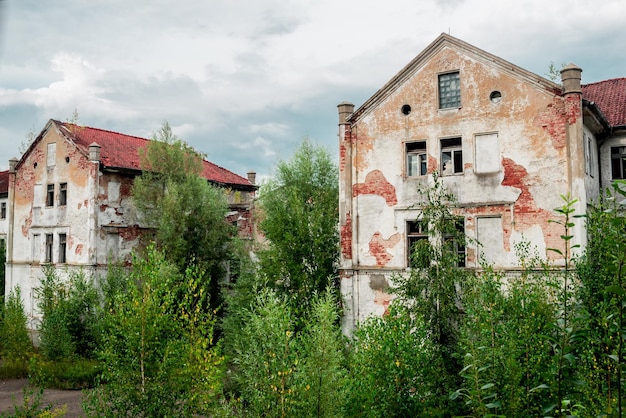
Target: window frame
[(620, 156), (456, 151), (416, 230), (459, 248), (62, 248), (50, 195), (446, 100), (49, 246), (3, 210), (62, 194), (417, 149)]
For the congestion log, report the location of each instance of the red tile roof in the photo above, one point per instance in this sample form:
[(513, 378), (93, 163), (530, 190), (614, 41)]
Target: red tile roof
[(4, 182), (610, 97), (122, 151)]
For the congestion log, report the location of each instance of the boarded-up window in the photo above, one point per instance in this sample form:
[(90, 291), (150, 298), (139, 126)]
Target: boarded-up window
[(35, 251), (112, 246), (114, 191), (52, 154), (487, 153), (490, 238), (38, 198)]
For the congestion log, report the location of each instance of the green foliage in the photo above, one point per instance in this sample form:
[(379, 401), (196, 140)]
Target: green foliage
[(187, 213), (431, 288), (321, 375), (394, 370), (3, 252), (506, 344), (15, 344), (32, 406), (266, 358), (158, 354), (300, 222), (77, 373), (69, 325)]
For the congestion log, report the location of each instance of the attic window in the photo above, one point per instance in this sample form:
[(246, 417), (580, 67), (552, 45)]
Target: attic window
[(449, 91), (406, 109), (67, 159), (495, 96)]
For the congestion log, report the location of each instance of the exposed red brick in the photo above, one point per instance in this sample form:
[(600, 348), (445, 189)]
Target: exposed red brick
[(378, 247), (79, 249), (27, 223), (346, 237), (376, 184)]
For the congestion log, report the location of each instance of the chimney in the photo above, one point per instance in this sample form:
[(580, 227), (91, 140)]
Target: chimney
[(12, 165), (570, 77), (94, 152), (345, 110), (251, 177)]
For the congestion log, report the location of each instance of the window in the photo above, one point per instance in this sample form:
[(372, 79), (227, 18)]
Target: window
[(449, 91), (50, 195), (416, 159), (3, 210), (62, 247), (52, 154), (618, 162), (49, 243), (458, 241), (62, 194), (451, 156), (415, 231)]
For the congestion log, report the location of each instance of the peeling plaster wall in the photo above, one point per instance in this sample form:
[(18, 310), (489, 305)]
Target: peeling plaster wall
[(52, 161), (535, 131)]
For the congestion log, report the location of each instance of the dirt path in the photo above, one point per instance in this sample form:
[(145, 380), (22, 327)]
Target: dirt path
[(11, 392)]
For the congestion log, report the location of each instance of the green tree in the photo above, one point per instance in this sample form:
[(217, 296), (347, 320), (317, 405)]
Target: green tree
[(158, 354), (15, 344), (186, 212), (431, 288), (300, 209)]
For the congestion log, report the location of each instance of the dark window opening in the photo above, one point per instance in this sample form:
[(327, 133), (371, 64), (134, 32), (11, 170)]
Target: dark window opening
[(3, 210), (457, 240), (63, 194), (50, 195), (62, 247), (49, 243), (451, 156), (449, 91), (406, 109), (416, 159), (618, 163)]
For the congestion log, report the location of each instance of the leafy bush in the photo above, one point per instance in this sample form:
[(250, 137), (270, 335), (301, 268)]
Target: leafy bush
[(15, 344), (72, 374)]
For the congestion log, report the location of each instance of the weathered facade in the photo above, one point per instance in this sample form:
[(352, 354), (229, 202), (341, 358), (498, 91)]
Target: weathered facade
[(506, 142), (71, 205)]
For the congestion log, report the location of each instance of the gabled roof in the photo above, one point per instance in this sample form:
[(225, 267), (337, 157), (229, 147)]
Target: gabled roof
[(442, 41), (120, 151), (4, 183), (610, 97)]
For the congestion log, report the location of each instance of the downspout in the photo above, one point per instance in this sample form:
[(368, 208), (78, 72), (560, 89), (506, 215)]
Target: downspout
[(8, 285), (94, 158)]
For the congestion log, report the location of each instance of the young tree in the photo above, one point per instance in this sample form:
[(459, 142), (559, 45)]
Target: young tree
[(300, 205), (186, 212)]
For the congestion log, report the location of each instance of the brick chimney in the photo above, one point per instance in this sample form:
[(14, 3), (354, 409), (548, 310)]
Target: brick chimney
[(570, 77), (94, 152), (251, 177)]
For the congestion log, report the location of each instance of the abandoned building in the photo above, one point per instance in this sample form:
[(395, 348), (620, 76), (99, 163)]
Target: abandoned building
[(506, 143), (68, 203)]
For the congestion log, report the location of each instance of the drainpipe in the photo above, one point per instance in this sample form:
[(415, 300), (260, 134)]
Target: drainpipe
[(94, 158), (8, 285)]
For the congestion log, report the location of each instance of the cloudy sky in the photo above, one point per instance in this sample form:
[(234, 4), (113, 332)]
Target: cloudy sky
[(245, 80)]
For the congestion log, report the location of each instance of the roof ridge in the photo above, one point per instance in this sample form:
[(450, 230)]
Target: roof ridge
[(103, 130)]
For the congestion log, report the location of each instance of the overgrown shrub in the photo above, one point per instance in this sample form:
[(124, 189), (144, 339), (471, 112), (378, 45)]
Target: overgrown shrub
[(15, 343)]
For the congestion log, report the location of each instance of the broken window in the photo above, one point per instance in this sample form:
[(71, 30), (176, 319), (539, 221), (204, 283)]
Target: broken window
[(49, 243), (50, 195), (63, 194), (451, 156), (416, 159), (449, 91), (415, 231), (3, 210), (62, 247), (618, 162)]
